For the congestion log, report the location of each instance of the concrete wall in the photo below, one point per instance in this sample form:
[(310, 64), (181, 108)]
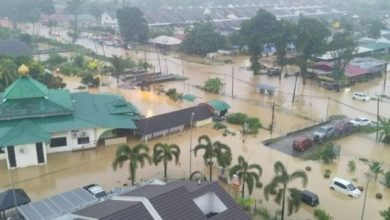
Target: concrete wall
[(26, 155)]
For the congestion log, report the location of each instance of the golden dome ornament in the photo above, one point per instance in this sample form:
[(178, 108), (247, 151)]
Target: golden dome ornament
[(23, 70)]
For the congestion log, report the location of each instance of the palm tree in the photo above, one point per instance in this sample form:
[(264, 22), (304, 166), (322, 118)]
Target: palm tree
[(383, 128), (137, 154), (281, 179), (7, 72), (165, 153), (216, 150), (118, 66), (247, 173), (375, 168)]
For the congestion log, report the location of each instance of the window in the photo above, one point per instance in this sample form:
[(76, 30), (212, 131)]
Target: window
[(83, 140), (58, 142), (340, 185)]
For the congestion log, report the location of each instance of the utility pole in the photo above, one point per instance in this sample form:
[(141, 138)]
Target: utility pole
[(365, 196), (377, 118), (272, 118), (182, 66), (295, 86), (384, 81), (327, 109), (232, 74), (192, 118)]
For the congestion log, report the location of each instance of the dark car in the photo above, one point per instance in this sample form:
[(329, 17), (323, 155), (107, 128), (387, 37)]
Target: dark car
[(273, 71), (309, 198), (343, 126), (302, 143)]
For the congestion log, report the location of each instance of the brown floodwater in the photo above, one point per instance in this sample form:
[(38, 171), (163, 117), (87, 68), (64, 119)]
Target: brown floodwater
[(68, 170)]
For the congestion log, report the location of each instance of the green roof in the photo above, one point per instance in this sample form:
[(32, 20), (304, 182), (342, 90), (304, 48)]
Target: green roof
[(375, 45), (219, 105), (57, 102), (25, 132), (25, 87), (189, 97), (90, 111)]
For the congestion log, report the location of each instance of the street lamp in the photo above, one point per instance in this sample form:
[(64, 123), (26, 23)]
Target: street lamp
[(192, 118)]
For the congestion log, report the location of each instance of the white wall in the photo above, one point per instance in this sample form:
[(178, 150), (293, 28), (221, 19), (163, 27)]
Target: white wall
[(26, 155), (60, 149), (91, 133)]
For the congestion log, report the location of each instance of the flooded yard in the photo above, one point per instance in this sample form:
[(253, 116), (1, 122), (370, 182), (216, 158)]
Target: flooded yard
[(69, 170)]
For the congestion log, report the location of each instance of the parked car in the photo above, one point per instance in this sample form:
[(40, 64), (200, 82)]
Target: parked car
[(302, 143), (344, 186), (309, 198), (360, 121), (343, 126), (323, 132), (96, 190), (361, 96), (273, 71)]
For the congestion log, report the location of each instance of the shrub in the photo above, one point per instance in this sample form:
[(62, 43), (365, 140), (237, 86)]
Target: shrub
[(361, 188), (237, 118), (379, 196), (351, 166), (387, 179), (219, 125), (321, 214), (308, 168)]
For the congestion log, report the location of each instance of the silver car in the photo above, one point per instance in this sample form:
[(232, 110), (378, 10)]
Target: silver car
[(323, 132)]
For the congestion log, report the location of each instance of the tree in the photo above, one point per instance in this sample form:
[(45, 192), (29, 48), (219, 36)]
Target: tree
[(202, 39), (221, 152), (47, 7), (255, 33), (283, 35), (248, 174), (132, 25), (118, 66), (135, 155), (387, 179), (327, 154), (341, 48), (310, 41), (8, 72), (375, 168), (374, 29), (385, 214), (213, 85), (282, 179), (73, 7), (165, 153), (383, 127)]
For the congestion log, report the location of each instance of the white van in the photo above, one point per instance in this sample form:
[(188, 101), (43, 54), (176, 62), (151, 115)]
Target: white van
[(361, 96), (344, 186)]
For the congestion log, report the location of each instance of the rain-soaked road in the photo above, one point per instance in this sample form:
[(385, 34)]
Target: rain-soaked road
[(68, 170)]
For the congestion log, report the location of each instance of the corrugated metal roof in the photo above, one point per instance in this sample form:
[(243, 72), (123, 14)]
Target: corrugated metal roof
[(219, 105)]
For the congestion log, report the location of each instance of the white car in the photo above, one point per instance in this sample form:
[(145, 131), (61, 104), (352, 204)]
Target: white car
[(361, 96), (360, 121), (344, 186)]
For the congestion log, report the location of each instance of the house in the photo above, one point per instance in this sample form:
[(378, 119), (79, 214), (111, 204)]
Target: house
[(35, 120), (13, 47), (356, 69), (154, 201), (176, 121), (108, 21)]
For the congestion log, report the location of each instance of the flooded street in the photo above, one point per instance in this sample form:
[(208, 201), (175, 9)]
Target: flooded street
[(68, 170)]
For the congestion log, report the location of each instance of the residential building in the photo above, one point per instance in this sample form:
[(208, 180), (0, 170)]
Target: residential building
[(35, 120), (153, 200)]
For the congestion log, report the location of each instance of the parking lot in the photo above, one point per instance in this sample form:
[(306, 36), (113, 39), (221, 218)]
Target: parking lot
[(285, 143)]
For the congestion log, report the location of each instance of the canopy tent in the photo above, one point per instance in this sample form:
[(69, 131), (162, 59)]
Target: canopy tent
[(7, 199), (189, 97), (166, 41)]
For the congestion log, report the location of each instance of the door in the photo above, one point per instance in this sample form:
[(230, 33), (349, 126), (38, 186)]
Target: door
[(40, 155), (11, 156)]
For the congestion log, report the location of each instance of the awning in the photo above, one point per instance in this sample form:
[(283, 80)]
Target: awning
[(189, 97), (219, 105), (7, 199)]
